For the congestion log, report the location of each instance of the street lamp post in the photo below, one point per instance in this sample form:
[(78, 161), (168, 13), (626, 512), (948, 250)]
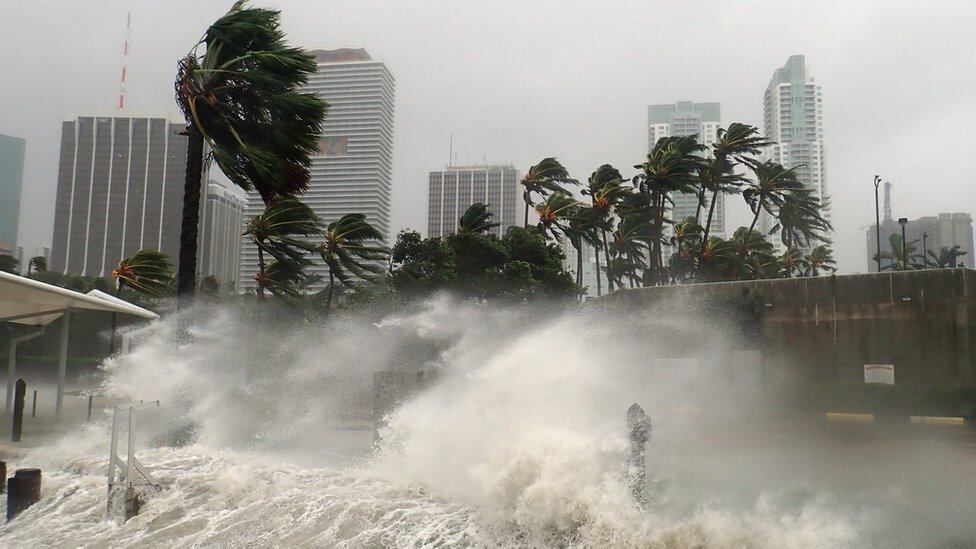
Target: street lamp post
[(925, 249), (903, 221), (877, 219)]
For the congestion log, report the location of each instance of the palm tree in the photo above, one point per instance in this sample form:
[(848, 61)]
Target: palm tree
[(8, 263), (606, 190), (242, 98), (553, 212), (476, 219), (799, 220), (735, 143), (820, 258), (148, 272), (898, 258), (946, 258), (276, 231), (349, 253), (671, 167), (548, 176), (792, 261), (38, 263), (773, 182)]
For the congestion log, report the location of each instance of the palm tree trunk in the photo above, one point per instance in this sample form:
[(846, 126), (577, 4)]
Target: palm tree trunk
[(711, 211), (525, 198), (701, 198), (328, 303), (596, 254), (186, 276), (579, 264), (606, 256), (261, 272)]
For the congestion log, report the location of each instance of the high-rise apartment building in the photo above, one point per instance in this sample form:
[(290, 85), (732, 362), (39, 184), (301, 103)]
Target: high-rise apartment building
[(120, 189), (682, 119), (453, 189), (354, 168), (925, 234), (793, 122), (11, 181), (221, 224)]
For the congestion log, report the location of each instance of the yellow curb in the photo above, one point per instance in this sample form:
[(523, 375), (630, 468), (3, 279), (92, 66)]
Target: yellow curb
[(935, 420), (850, 418)]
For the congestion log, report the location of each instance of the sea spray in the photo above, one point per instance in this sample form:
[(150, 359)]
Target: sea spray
[(263, 439)]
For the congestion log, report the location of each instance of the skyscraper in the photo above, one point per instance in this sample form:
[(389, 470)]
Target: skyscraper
[(120, 189), (11, 180), (682, 119), (453, 189), (354, 169), (793, 121), (221, 224)]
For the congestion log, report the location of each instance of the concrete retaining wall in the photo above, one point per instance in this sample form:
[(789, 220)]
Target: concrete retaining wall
[(824, 329)]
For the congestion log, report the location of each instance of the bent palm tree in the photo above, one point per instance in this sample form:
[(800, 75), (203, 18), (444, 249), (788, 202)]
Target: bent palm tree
[(148, 272), (735, 143), (548, 176), (476, 219), (946, 258), (552, 212), (821, 258), (349, 252), (242, 97), (276, 231), (37, 263)]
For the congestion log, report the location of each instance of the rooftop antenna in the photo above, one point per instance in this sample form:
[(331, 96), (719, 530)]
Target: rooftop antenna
[(887, 201), (450, 155), (125, 59)]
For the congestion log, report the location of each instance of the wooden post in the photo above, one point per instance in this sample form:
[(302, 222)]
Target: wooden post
[(89, 408), (3, 475), (639, 432), (34, 405), (23, 490), (133, 503), (19, 395)]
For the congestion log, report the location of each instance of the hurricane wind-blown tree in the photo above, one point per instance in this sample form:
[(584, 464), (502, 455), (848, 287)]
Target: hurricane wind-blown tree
[(241, 97), (606, 190), (945, 258), (8, 263), (735, 144), (671, 167), (350, 250), (148, 272), (277, 232), (821, 258), (476, 219), (37, 264), (546, 177)]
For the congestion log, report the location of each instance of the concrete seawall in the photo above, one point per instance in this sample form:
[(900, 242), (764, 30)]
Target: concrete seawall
[(824, 329)]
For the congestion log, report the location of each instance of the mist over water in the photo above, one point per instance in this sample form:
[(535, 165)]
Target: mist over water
[(264, 437)]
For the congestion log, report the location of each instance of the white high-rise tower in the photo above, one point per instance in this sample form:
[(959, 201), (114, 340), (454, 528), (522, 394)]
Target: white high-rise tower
[(354, 168), (793, 121)]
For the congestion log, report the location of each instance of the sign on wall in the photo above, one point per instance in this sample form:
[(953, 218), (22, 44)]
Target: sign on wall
[(879, 373)]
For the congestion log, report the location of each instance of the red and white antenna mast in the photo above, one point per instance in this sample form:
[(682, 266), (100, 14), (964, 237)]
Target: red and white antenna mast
[(125, 59)]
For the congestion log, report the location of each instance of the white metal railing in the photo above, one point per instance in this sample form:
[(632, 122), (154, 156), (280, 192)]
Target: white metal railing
[(131, 466)]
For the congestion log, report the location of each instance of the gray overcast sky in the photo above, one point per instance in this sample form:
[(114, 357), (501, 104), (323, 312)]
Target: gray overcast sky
[(518, 80)]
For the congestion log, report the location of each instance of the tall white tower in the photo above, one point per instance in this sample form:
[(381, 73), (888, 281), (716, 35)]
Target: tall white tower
[(793, 121), (353, 171)]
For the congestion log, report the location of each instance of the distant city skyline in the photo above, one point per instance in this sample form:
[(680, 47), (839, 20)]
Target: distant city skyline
[(453, 189)]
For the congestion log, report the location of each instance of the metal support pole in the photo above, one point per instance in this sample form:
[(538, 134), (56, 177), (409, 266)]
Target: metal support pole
[(62, 366), (12, 367), (132, 452), (877, 219), (925, 249), (34, 405), (904, 243)]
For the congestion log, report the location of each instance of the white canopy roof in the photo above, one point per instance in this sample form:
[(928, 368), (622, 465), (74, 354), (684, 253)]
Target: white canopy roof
[(27, 301)]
